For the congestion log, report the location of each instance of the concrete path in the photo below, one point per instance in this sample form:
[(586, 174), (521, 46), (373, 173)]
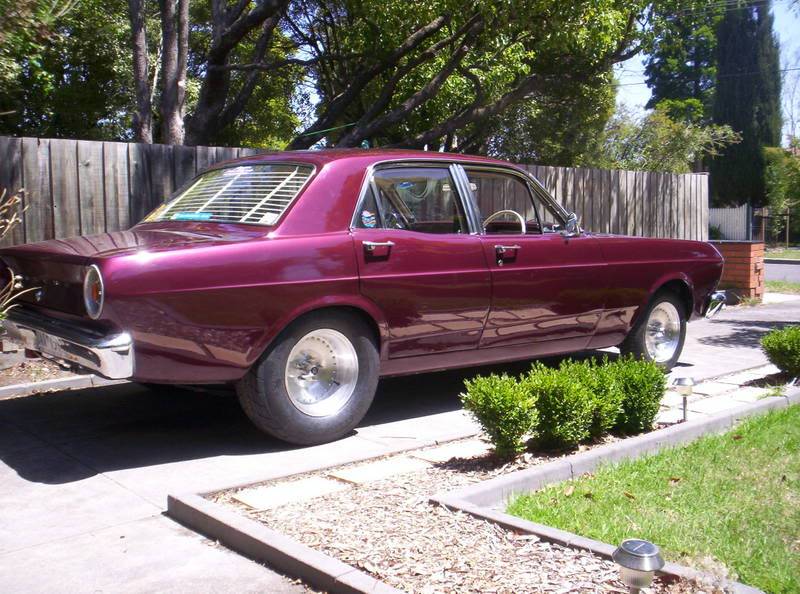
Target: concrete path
[(774, 271), (84, 475)]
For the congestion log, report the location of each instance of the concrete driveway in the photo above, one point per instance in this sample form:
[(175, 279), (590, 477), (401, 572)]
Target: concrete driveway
[(84, 475)]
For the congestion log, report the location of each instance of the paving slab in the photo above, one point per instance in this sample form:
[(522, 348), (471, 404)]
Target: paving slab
[(714, 404), (672, 399), (675, 415), (382, 469), (752, 375), (713, 388), (461, 449), (749, 394), (271, 496)]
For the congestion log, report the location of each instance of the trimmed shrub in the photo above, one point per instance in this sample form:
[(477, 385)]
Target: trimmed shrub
[(783, 349), (604, 391), (505, 409), (566, 406), (642, 384)]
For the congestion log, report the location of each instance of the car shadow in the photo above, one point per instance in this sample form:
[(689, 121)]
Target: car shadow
[(64, 437), (745, 334)]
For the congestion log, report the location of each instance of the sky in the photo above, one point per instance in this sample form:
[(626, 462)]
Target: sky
[(634, 93)]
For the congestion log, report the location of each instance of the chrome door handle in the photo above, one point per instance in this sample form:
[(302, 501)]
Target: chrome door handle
[(502, 249), (371, 245)]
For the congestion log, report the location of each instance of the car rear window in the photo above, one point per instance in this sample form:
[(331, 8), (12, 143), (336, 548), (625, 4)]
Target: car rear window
[(257, 194)]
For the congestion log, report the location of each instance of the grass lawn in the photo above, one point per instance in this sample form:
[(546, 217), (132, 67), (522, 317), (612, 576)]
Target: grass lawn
[(782, 287), (785, 253), (731, 499)]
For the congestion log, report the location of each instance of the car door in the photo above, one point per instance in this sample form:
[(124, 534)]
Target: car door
[(418, 261), (545, 285)]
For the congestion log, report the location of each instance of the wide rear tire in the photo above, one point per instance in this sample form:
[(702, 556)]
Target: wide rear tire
[(316, 382), (660, 333)]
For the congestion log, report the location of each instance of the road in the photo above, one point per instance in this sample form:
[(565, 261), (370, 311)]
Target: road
[(84, 475), (782, 272)]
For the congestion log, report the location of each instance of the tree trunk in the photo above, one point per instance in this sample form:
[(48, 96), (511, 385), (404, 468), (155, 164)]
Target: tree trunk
[(174, 26), (143, 116)]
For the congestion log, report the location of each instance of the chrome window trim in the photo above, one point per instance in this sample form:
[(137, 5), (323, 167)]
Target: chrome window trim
[(534, 186), (368, 181)]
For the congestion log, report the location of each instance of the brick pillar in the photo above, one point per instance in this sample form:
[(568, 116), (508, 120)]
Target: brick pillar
[(743, 273)]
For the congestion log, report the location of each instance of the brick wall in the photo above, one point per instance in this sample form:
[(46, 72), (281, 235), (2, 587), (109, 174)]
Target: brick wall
[(743, 273)]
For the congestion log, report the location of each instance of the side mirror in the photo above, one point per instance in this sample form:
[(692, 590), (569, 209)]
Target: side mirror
[(571, 228)]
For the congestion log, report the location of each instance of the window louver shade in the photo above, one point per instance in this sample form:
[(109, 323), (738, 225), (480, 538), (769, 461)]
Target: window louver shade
[(256, 194)]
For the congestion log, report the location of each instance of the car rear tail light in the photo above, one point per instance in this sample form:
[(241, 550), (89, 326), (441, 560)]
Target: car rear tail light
[(93, 292)]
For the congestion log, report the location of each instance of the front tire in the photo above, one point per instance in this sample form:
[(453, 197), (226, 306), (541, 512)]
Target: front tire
[(660, 333), (316, 382)]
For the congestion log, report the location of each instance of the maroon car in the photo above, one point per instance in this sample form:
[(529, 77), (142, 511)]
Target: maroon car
[(302, 277)]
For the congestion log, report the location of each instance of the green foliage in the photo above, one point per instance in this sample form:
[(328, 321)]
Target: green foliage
[(782, 179), (655, 142), (604, 389), (560, 129), (505, 409), (783, 349), (714, 232), (642, 384), (747, 98), (566, 405), (681, 67), (76, 84)]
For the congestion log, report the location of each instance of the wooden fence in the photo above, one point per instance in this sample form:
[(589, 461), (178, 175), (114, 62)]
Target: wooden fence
[(80, 187)]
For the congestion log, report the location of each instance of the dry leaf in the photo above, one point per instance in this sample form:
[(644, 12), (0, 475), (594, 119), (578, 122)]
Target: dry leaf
[(589, 495), (629, 495), (737, 437), (569, 491), (674, 479)]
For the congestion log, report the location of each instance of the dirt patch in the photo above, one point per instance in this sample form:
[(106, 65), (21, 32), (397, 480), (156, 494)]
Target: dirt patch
[(32, 370)]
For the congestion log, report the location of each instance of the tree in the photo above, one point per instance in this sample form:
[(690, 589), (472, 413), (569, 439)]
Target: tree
[(681, 67), (782, 180), (564, 130), (71, 78), (655, 142), (748, 99)]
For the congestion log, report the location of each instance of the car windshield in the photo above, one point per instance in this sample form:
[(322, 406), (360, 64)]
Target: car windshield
[(257, 194)]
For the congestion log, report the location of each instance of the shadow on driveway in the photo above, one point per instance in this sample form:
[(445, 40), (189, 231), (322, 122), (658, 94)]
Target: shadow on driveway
[(69, 436), (745, 334)]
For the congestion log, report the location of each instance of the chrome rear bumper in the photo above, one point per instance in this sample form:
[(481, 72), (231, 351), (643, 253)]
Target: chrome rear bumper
[(716, 303), (109, 355)]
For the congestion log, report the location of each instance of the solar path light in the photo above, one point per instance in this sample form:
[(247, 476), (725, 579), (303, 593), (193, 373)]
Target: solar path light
[(638, 561), (685, 386)]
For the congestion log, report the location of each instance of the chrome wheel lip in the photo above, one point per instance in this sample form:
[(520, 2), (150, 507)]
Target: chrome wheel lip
[(321, 372), (662, 333)]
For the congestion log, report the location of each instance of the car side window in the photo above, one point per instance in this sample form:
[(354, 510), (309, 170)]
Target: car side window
[(496, 191), (422, 199)]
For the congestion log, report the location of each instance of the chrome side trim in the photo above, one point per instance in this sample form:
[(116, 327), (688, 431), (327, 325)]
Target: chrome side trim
[(110, 355)]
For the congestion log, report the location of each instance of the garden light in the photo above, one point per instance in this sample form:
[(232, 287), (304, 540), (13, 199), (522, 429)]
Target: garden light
[(638, 561), (684, 385)]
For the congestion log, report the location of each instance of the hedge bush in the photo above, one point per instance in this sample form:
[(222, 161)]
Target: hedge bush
[(563, 407), (604, 389), (782, 348), (642, 384), (505, 408), (566, 406)]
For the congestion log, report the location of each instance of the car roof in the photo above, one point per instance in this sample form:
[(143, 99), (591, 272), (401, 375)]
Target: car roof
[(364, 157)]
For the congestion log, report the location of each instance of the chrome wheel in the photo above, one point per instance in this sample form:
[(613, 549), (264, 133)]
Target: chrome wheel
[(663, 332), (321, 372)]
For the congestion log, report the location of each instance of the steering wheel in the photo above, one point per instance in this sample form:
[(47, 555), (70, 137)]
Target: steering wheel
[(499, 213)]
